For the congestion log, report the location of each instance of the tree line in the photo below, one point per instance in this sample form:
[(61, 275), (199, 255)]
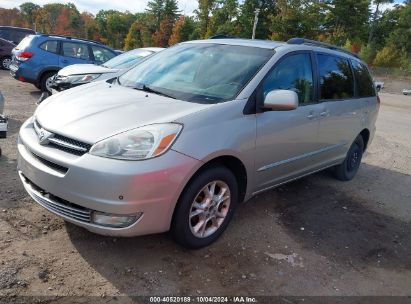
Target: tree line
[(381, 37)]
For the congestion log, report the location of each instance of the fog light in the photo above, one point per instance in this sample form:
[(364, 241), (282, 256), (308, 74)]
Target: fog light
[(114, 220)]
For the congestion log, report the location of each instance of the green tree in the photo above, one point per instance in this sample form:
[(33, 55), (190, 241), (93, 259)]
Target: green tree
[(224, 18), (203, 13), (163, 9), (28, 12), (347, 19), (134, 39), (391, 57), (246, 18), (155, 7), (297, 18), (375, 17), (182, 31), (51, 13), (400, 36)]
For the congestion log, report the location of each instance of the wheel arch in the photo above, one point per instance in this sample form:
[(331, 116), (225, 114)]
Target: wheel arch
[(365, 134), (233, 163), (47, 70)]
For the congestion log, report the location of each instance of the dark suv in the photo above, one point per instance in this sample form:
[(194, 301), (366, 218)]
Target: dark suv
[(5, 53), (15, 34), (38, 58)]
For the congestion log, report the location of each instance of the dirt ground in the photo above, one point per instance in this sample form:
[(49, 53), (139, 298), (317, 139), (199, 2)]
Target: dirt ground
[(314, 237)]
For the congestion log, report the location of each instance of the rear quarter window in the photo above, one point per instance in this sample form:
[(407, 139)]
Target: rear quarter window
[(336, 77), (25, 43), (365, 84)]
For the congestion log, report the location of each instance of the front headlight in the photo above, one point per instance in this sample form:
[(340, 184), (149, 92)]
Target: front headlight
[(138, 144), (85, 78)]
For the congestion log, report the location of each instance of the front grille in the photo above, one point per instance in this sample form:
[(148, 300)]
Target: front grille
[(56, 204), (50, 164), (64, 143)]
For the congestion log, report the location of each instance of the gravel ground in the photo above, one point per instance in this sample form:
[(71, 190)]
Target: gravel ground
[(316, 236)]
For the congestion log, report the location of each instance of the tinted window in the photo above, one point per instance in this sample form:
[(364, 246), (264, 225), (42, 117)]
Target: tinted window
[(75, 50), (5, 34), (293, 73), (101, 54), (336, 79), (50, 46), (365, 84), (15, 35)]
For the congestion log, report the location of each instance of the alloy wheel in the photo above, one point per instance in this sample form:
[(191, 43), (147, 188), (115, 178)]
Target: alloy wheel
[(6, 63), (209, 209)]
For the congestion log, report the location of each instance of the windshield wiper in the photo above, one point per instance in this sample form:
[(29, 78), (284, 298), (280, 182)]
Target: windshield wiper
[(149, 89)]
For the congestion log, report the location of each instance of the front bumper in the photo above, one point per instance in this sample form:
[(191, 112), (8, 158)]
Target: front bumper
[(92, 183), (57, 87)]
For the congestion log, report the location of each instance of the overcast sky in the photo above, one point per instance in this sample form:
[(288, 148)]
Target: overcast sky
[(93, 6)]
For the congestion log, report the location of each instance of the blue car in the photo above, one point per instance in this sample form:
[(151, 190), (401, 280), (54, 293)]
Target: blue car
[(38, 58)]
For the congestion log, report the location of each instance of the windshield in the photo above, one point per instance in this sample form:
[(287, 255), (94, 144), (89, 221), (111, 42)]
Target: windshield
[(127, 60), (198, 72)]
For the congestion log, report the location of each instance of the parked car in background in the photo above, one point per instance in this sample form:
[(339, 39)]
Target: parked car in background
[(3, 120), (78, 74), (38, 58), (177, 142), (406, 91), (15, 34), (379, 85), (5, 53)]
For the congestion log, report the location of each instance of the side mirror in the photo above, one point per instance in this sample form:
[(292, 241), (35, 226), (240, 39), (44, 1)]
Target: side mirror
[(281, 100)]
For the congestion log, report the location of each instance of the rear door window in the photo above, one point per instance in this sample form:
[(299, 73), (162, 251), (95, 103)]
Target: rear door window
[(365, 84), (336, 78), (76, 50), (50, 46)]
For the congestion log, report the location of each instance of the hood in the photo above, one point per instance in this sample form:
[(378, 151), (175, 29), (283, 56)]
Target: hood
[(77, 69), (95, 111)]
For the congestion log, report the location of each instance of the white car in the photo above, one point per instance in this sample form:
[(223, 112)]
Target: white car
[(379, 85), (406, 91), (78, 74)]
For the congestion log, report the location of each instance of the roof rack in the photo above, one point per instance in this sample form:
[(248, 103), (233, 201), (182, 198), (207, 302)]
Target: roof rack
[(320, 44), (222, 36), (68, 37)]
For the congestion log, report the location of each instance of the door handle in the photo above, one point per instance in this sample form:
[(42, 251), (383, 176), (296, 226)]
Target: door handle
[(65, 61), (324, 114), (311, 115)]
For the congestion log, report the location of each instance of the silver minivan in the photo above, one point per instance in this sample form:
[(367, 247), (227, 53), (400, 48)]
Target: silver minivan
[(177, 142)]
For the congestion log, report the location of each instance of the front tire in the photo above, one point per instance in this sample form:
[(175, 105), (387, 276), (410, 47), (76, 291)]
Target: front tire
[(349, 167), (205, 208)]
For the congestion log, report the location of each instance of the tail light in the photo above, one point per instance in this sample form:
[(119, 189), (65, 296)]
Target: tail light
[(23, 56)]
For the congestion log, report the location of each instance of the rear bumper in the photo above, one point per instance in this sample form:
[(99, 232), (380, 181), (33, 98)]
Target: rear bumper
[(19, 73)]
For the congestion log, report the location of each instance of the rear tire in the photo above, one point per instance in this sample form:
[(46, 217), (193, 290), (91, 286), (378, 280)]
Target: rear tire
[(349, 167), (205, 208), (46, 81), (5, 62)]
